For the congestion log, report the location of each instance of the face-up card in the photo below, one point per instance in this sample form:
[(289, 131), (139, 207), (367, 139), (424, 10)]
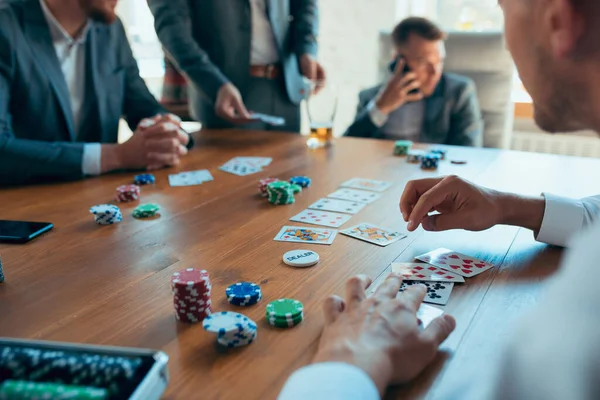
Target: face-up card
[(323, 218), (240, 169), (455, 262), (425, 272), (437, 292), (373, 234), (253, 161), (268, 119), (300, 234), (367, 184), (335, 205), (355, 195), (427, 314), (190, 178)]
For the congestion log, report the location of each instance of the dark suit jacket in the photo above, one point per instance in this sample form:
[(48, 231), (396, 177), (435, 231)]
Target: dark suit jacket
[(452, 114), (209, 41), (37, 136)]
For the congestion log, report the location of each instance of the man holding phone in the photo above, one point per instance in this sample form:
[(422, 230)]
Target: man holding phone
[(420, 102)]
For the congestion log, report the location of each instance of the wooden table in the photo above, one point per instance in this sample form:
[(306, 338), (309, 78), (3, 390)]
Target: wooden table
[(110, 285)]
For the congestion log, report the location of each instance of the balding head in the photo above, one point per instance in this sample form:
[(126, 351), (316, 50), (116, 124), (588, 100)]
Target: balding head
[(556, 50)]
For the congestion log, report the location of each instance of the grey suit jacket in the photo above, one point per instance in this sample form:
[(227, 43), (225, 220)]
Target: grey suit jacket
[(209, 41), (452, 114), (37, 137)]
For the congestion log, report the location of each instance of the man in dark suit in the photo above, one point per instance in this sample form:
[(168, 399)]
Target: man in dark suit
[(67, 75), (423, 104), (242, 55)]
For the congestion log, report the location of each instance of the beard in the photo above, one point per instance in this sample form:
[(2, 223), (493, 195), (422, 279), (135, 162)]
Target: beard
[(101, 10)]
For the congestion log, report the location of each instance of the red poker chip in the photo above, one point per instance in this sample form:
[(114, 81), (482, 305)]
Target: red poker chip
[(190, 278), (127, 193), (190, 302), (192, 294), (192, 305), (263, 183)]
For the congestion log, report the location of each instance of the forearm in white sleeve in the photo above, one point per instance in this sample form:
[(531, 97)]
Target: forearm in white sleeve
[(564, 218), (92, 155), (329, 381), (375, 115)]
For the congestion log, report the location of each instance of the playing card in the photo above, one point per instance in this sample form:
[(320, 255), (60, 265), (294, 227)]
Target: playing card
[(300, 234), (355, 195), (427, 314), (268, 119), (437, 292), (335, 205), (425, 272), (253, 161), (455, 262), (373, 234), (190, 178), (323, 218), (240, 169), (367, 184)]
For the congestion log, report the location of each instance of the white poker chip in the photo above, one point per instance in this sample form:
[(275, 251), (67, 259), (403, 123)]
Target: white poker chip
[(301, 258)]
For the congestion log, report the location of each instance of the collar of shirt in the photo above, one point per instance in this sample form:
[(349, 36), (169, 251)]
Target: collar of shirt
[(58, 33)]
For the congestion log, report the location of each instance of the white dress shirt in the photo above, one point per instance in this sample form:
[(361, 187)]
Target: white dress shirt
[(404, 123), (263, 49), (71, 53)]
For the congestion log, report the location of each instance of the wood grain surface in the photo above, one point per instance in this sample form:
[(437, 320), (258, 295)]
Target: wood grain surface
[(110, 284)]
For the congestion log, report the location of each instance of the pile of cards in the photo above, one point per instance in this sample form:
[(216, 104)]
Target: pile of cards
[(190, 178), (242, 166)]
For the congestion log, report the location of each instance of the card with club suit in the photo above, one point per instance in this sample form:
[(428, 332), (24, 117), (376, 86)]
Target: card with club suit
[(437, 292), (453, 261), (362, 196), (336, 205), (323, 218), (425, 272)]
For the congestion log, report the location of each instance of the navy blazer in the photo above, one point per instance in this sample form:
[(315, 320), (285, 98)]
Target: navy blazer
[(452, 114), (38, 141)]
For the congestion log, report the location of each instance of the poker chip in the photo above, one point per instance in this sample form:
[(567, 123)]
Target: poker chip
[(244, 336), (441, 152), (414, 156), (144, 179), (127, 193), (284, 309), (302, 181), (106, 214), (191, 290), (402, 147), (1, 272), (280, 193), (262, 185), (458, 162), (226, 323), (146, 210), (295, 188), (430, 161), (285, 322), (243, 294), (25, 390), (301, 258)]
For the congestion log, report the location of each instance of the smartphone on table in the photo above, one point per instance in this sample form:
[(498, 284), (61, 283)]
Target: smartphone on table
[(405, 71), (22, 231)]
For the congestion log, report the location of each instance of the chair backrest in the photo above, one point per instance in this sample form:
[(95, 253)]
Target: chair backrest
[(484, 58)]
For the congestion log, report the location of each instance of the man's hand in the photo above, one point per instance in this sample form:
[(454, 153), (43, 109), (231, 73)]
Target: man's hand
[(381, 334), (314, 71), (396, 92), (230, 106)]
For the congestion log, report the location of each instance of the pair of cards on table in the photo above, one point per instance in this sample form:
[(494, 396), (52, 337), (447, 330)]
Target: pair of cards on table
[(190, 178), (366, 232), (243, 166)]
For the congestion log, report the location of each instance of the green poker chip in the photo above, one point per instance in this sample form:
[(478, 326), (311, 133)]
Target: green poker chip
[(295, 188), (282, 193), (284, 309), (34, 390), (146, 210)]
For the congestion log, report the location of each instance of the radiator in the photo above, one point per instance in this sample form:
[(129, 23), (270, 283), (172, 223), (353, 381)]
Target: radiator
[(572, 145)]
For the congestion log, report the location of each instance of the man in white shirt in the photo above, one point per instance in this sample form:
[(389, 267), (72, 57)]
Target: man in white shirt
[(370, 343), (67, 76), (242, 56)]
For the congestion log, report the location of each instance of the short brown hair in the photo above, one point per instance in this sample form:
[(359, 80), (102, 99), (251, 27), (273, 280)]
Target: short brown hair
[(418, 26)]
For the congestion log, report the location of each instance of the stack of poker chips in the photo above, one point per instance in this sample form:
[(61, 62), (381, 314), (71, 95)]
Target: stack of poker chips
[(302, 181), (191, 295), (127, 193), (232, 329), (430, 161), (262, 185), (281, 193), (1, 272), (146, 210), (414, 156), (285, 313), (243, 294), (144, 179), (24, 390), (402, 147), (106, 214), (441, 152)]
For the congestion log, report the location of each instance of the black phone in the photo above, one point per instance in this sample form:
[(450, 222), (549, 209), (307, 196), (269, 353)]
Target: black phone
[(22, 231), (405, 71)]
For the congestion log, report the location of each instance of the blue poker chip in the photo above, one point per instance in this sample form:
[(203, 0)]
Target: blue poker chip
[(144, 179), (243, 292), (430, 161), (302, 181), (441, 152)]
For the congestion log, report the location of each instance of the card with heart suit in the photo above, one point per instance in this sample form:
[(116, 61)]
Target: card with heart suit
[(427, 314), (453, 261), (373, 234), (367, 184), (335, 205), (323, 218), (301, 234), (361, 196), (190, 178), (425, 272), (437, 292)]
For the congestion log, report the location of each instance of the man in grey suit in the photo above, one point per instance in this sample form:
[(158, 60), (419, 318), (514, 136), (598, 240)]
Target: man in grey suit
[(419, 102), (242, 55), (67, 75)]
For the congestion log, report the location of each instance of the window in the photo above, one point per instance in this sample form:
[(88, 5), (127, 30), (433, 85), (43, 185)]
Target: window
[(469, 15)]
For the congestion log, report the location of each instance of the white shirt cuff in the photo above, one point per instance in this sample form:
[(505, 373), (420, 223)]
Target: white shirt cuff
[(563, 219), (377, 117), (329, 381), (92, 154)]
